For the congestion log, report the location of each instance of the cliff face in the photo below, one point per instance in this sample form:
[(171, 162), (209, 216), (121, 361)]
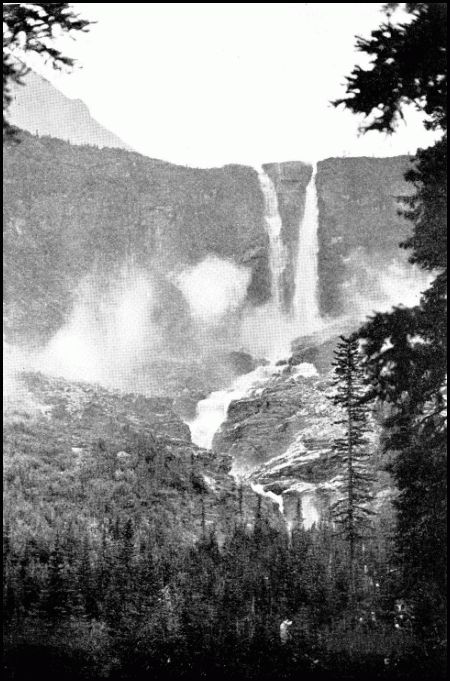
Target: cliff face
[(70, 210), (359, 224)]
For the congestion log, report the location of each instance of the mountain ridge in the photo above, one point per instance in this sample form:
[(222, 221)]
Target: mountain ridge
[(41, 108), (121, 204)]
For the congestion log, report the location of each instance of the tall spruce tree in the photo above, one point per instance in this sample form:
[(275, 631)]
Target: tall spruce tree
[(351, 512), (406, 348)]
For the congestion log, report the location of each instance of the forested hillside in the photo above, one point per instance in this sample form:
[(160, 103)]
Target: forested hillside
[(127, 548)]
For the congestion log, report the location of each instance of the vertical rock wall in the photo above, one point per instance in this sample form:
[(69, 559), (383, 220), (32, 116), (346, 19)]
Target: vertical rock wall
[(359, 217)]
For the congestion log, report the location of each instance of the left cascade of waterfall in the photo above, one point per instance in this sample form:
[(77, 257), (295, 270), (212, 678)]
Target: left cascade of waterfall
[(212, 411), (277, 252)]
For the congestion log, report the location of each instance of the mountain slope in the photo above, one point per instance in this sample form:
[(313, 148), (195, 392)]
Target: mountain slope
[(75, 453), (69, 209), (39, 107)]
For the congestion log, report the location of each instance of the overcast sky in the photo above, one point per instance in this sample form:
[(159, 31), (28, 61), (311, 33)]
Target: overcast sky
[(208, 84)]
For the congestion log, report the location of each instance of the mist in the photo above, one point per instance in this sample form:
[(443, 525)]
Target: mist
[(129, 331), (213, 288), (128, 328), (109, 333), (377, 286), (17, 399), (372, 286)]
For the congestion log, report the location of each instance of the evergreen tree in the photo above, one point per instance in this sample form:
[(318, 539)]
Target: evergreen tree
[(351, 511), (87, 581), (203, 517), (56, 592), (406, 348), (408, 65)]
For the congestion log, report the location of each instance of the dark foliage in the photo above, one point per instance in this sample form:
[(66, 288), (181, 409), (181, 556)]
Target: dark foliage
[(352, 511), (409, 65), (406, 349), (134, 607)]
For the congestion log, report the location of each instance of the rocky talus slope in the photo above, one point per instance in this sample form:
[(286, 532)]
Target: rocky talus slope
[(281, 436)]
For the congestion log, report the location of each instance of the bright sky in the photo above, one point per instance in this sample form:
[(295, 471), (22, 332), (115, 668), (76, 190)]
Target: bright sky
[(205, 84)]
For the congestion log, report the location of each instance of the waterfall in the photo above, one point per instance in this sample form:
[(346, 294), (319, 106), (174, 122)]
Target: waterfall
[(278, 326), (304, 317), (276, 498), (277, 253), (212, 411), (306, 298)]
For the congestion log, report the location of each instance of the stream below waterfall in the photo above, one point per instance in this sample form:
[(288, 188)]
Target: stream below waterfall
[(212, 411), (302, 319)]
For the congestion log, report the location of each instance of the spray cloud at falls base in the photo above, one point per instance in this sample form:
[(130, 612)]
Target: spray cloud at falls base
[(239, 261)]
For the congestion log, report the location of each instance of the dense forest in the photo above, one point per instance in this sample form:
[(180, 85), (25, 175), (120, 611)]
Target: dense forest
[(130, 606)]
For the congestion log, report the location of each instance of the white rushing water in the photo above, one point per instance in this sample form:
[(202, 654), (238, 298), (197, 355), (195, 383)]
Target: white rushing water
[(276, 498), (304, 318), (212, 411), (306, 298), (277, 251)]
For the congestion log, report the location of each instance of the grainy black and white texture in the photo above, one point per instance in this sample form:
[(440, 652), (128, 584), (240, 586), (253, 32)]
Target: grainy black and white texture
[(225, 377)]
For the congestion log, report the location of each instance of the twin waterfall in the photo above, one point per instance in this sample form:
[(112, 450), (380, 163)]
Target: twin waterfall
[(305, 309), (301, 320)]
